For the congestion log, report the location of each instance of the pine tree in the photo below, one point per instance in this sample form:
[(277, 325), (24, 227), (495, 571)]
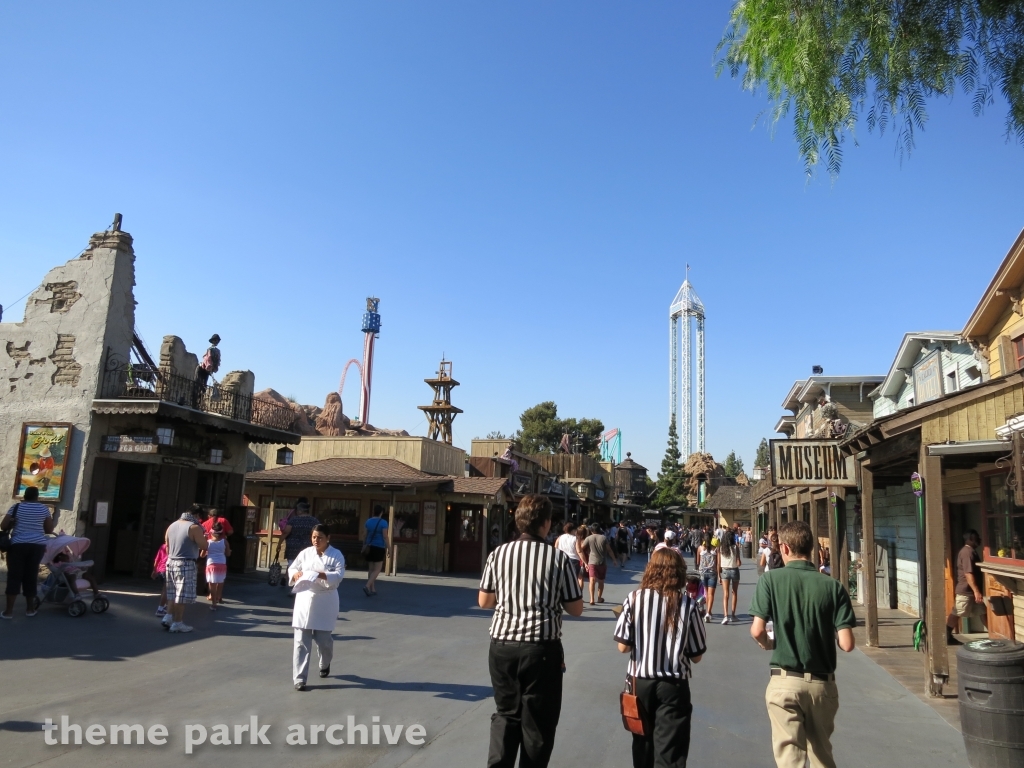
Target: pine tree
[(673, 456), (733, 464), (672, 478), (763, 458)]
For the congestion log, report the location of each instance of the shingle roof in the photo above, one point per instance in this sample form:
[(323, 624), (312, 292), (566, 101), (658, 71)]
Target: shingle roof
[(487, 486), (362, 471), (731, 497), (347, 471)]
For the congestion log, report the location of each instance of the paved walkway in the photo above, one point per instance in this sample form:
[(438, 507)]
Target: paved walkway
[(896, 655), (416, 654)]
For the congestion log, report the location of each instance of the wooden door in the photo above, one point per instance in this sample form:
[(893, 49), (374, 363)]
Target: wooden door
[(104, 480), (466, 527)]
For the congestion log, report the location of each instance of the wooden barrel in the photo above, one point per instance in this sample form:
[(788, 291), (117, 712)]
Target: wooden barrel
[(991, 693)]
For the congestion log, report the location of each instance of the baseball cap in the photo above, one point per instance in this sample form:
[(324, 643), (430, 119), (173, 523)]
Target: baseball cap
[(669, 535)]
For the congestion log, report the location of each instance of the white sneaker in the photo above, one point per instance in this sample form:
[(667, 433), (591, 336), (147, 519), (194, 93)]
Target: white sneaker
[(167, 620), (725, 620), (180, 626), (161, 611), (707, 617)]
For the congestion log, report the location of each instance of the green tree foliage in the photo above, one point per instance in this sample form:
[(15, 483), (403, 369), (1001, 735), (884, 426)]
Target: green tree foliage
[(763, 458), (541, 430), (827, 61), (496, 435), (733, 465), (672, 489)]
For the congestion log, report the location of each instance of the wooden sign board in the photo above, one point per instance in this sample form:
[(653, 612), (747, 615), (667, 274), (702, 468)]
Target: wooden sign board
[(806, 463), (429, 523)]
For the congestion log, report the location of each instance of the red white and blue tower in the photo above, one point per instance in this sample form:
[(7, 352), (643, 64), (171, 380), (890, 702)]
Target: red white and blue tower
[(371, 330)]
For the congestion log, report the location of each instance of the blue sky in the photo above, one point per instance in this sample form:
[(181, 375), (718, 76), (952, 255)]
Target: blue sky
[(520, 183)]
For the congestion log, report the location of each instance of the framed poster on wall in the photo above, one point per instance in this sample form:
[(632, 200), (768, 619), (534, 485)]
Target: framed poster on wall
[(42, 456)]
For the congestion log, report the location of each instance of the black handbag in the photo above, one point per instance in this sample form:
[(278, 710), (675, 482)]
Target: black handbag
[(5, 536)]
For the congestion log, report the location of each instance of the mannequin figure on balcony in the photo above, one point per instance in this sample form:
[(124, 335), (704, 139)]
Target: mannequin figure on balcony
[(209, 366)]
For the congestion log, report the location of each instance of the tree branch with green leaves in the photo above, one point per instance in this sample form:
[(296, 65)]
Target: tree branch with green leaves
[(827, 62)]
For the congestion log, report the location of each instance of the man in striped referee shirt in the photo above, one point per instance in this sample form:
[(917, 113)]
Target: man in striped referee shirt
[(527, 582)]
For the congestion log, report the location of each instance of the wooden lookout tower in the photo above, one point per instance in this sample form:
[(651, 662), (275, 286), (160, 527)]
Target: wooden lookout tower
[(441, 413)]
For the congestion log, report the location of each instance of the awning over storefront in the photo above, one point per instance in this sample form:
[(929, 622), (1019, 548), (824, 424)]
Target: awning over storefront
[(254, 432), (969, 448)]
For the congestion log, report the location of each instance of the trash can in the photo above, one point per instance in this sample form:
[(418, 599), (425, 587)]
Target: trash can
[(748, 550), (991, 693)]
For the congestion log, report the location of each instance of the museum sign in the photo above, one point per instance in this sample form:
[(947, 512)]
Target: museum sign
[(804, 463)]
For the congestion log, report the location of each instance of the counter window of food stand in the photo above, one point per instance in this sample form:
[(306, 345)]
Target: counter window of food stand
[(1004, 521), (407, 521), (283, 505), (341, 516)]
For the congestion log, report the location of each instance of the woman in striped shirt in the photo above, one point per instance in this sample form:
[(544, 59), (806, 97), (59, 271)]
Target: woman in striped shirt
[(661, 628)]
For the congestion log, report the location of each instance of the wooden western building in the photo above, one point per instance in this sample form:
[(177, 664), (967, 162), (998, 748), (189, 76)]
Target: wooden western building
[(950, 411), (441, 520)]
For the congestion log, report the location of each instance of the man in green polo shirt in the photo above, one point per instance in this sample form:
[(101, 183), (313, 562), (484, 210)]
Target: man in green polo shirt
[(811, 613)]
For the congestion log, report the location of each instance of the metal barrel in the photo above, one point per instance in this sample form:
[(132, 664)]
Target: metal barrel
[(991, 693)]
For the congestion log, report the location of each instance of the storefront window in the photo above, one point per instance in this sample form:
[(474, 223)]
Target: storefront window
[(1004, 522), (282, 506), (407, 521), (341, 516)]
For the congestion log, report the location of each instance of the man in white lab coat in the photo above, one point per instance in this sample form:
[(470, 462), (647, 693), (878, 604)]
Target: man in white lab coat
[(315, 575)]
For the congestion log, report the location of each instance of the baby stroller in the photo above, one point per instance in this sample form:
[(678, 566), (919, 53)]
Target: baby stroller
[(64, 585), (695, 589)]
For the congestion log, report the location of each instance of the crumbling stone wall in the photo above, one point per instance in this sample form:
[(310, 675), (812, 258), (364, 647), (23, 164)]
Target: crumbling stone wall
[(68, 370), (176, 359), (64, 296), (51, 363)]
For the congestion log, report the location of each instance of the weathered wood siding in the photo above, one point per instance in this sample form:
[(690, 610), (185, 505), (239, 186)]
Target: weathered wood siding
[(976, 420), (417, 452), (896, 522)]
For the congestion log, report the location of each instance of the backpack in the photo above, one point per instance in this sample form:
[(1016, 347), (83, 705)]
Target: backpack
[(707, 561), (775, 561)]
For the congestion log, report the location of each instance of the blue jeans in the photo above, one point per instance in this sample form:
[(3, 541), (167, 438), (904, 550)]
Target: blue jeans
[(709, 580)]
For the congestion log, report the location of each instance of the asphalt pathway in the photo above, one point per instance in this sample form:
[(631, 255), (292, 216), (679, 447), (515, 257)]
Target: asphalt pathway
[(417, 654)]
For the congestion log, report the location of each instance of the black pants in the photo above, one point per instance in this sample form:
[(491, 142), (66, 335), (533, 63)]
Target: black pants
[(527, 680), (668, 708), (23, 568)]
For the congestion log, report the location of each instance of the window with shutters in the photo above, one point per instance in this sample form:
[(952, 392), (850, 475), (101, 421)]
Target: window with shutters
[(1018, 352), (1007, 355)]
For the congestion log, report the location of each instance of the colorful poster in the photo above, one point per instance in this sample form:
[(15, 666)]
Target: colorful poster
[(44, 453)]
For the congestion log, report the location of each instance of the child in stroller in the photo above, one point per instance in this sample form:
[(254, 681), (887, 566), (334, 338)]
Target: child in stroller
[(695, 589), (68, 576)]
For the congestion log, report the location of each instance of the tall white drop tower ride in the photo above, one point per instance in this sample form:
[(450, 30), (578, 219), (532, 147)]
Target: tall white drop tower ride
[(685, 306)]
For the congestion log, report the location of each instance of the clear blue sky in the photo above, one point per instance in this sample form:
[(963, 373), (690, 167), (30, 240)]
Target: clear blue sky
[(520, 183)]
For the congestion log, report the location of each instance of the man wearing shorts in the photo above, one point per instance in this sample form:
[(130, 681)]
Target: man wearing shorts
[(184, 539), (970, 602), (599, 550)]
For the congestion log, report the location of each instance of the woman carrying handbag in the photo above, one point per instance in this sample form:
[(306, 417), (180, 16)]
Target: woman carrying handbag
[(375, 548), (661, 628)]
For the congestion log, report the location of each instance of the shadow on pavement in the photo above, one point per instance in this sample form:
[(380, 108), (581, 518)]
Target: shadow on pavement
[(130, 628), (443, 690), (19, 726)]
